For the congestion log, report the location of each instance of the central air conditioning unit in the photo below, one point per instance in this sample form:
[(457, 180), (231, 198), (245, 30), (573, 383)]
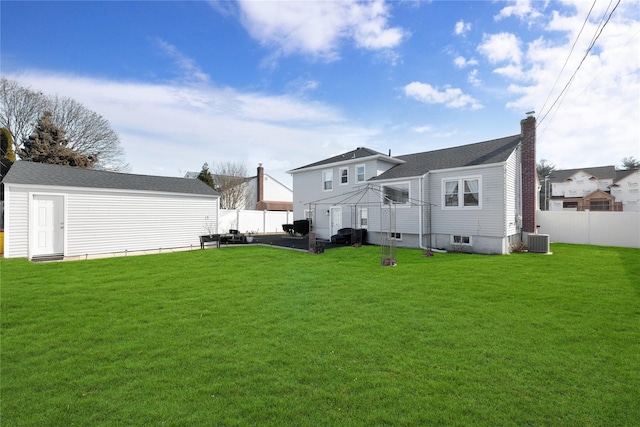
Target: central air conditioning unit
[(538, 243)]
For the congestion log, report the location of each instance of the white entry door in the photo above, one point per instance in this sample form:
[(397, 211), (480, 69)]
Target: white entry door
[(336, 219), (47, 233)]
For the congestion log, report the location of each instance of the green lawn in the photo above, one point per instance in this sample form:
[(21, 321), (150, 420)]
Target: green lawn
[(272, 337)]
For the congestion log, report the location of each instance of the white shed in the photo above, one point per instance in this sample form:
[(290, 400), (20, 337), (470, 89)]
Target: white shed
[(56, 211)]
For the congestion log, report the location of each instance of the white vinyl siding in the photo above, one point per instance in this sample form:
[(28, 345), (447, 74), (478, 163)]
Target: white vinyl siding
[(16, 223), (512, 207), (110, 221), (485, 221)]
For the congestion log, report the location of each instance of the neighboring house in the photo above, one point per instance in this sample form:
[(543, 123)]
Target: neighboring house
[(597, 189), (626, 189), (58, 211), (265, 193), (262, 192), (480, 197)]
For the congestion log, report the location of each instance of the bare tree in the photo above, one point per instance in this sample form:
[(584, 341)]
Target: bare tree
[(87, 132), (20, 109), (230, 180)]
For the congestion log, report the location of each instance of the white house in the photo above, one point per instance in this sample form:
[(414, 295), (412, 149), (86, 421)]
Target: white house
[(626, 189), (479, 197), (262, 192), (58, 211), (600, 188)]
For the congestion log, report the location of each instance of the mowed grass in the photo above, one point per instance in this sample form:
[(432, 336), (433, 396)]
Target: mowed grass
[(272, 337)]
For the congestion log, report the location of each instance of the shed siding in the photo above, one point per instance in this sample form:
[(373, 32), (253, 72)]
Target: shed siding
[(100, 222), (16, 223)]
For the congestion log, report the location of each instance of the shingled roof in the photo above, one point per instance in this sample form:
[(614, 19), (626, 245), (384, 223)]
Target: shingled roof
[(31, 173), (358, 153), (480, 153), (600, 172)]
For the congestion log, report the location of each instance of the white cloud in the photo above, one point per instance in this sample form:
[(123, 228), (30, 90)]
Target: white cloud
[(588, 116), (167, 129), (521, 9), (421, 129), (191, 70), (461, 62), (462, 28), (449, 97), (501, 47), (472, 78), (316, 28)]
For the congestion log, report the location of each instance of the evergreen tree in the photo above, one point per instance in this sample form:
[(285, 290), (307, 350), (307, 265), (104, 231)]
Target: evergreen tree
[(206, 177), (48, 144), (630, 163), (7, 155)]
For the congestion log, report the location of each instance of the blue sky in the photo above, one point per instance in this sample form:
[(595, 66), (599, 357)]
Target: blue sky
[(289, 83)]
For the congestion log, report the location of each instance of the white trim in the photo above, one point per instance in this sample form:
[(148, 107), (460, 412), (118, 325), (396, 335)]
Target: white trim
[(323, 180), (364, 173), (65, 190), (31, 223), (460, 180), (340, 170), (407, 203)]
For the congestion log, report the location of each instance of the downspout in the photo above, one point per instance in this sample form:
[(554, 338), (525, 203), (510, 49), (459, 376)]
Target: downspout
[(422, 201)]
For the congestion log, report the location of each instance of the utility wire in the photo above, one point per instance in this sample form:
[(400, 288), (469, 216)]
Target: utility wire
[(593, 42), (584, 24)]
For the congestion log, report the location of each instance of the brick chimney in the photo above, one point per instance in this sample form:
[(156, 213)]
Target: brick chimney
[(529, 175), (260, 183)]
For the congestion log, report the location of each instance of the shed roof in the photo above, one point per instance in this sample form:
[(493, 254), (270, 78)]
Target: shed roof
[(479, 153), (31, 173)]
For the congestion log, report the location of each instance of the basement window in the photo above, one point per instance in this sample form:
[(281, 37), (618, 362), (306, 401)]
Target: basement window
[(461, 240)]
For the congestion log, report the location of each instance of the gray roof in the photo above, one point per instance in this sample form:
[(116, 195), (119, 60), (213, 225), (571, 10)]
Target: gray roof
[(64, 176), (623, 173), (358, 153), (480, 153), (601, 172)]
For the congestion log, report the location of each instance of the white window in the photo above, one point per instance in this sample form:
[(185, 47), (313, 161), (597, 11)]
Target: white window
[(363, 217), (344, 176), (360, 176), (395, 236), (327, 180), (461, 240), (397, 193), (461, 193)]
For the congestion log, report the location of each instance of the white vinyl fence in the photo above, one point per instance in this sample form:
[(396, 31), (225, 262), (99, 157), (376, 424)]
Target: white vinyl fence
[(253, 221), (591, 228)]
